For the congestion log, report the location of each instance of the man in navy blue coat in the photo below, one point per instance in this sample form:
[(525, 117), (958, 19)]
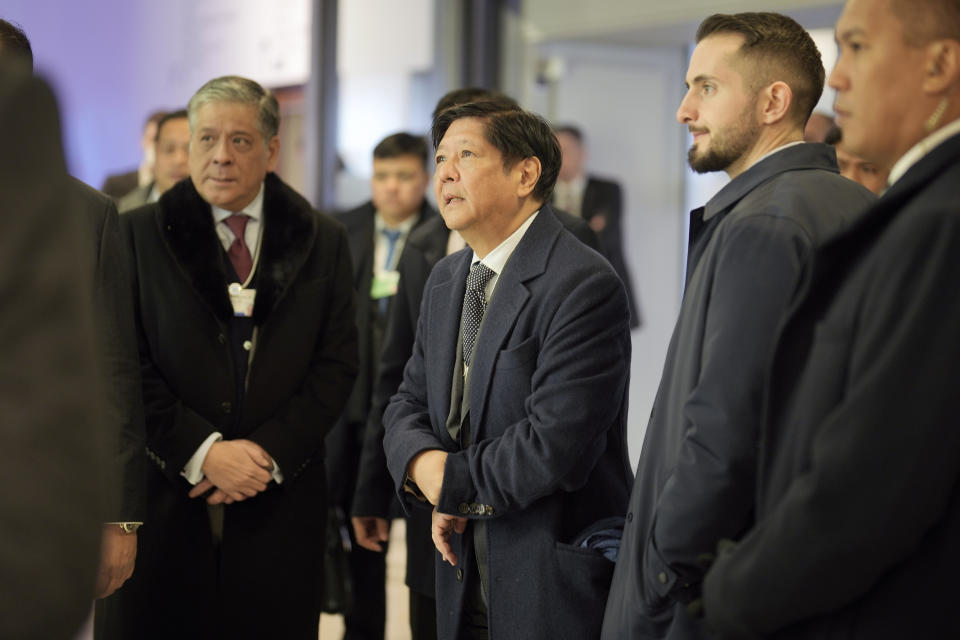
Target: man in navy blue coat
[(511, 417), (858, 510), (753, 81)]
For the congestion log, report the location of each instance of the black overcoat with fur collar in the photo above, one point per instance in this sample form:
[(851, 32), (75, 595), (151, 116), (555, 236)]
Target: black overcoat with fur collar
[(264, 578)]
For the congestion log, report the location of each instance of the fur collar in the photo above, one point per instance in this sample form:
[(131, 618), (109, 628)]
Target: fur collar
[(186, 223)]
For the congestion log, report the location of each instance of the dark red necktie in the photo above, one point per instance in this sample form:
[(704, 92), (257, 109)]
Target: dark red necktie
[(238, 252)]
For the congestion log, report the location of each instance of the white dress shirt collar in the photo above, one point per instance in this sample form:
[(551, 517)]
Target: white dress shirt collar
[(254, 209), (497, 259), (921, 149)]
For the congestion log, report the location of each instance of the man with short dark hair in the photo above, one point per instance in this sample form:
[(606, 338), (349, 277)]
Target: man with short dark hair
[(248, 353), (171, 150), (374, 497), (858, 510), (512, 413), (752, 82), (377, 232)]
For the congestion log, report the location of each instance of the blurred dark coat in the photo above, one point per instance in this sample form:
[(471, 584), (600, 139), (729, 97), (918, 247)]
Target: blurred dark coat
[(858, 509), (51, 430)]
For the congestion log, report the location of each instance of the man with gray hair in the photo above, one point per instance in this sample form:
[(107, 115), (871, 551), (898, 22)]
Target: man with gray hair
[(248, 351)]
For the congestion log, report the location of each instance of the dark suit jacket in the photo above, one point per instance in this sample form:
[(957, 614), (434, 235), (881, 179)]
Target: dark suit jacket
[(749, 247), (605, 198), (548, 414), (133, 199), (374, 495), (858, 511), (125, 471), (51, 431), (302, 366), (120, 184), (345, 442)]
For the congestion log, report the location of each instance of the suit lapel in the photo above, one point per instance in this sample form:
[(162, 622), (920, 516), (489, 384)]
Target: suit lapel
[(529, 261), (446, 302)]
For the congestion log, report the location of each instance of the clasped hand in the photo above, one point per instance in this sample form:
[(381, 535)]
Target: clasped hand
[(238, 469)]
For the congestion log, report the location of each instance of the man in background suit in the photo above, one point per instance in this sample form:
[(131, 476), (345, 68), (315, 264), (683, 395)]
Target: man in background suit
[(856, 168), (522, 435), (122, 476), (248, 351), (52, 437), (858, 514), (377, 232), (120, 184), (172, 148), (375, 498), (752, 82), (598, 201)]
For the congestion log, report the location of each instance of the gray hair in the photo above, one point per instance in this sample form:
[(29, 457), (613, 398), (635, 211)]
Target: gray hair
[(243, 91)]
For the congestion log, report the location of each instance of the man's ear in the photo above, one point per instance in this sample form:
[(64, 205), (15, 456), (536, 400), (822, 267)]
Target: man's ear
[(529, 169), (942, 67), (775, 102)]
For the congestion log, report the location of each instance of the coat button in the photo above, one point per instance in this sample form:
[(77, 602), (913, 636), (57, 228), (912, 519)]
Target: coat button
[(662, 577), (459, 575), (226, 407), (222, 338), (464, 508), (630, 516), (247, 345)]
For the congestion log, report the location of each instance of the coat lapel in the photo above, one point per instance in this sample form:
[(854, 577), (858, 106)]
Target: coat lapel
[(529, 261), (446, 302)]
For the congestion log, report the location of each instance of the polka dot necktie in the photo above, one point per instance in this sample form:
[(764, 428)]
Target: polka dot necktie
[(474, 305)]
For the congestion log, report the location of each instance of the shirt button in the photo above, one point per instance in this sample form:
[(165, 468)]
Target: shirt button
[(662, 577), (630, 516), (247, 345)]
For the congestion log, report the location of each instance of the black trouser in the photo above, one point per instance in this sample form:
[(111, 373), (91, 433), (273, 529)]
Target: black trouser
[(368, 571)]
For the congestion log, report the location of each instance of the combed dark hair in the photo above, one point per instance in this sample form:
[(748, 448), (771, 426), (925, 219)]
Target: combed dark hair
[(570, 130), (780, 49), (167, 117), (515, 133), (242, 91), (402, 144), (473, 94), (14, 41), (926, 20)]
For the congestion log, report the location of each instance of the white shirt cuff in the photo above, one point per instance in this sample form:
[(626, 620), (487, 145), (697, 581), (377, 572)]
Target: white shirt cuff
[(193, 470)]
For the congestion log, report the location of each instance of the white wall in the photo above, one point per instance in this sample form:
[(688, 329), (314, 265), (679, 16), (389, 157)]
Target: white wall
[(624, 100)]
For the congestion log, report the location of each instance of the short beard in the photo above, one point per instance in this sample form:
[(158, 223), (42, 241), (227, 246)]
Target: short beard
[(728, 147)]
